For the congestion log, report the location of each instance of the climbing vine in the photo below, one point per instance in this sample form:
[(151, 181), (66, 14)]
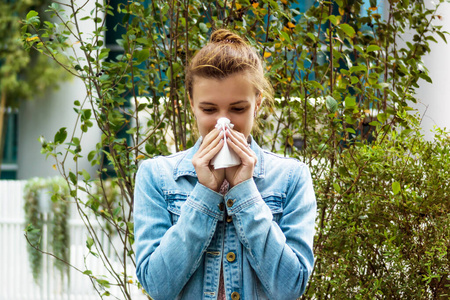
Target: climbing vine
[(36, 192)]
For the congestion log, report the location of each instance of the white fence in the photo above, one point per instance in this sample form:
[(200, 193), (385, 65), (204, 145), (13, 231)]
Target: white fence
[(16, 280)]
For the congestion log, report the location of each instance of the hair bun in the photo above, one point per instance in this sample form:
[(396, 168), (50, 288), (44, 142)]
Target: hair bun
[(226, 36)]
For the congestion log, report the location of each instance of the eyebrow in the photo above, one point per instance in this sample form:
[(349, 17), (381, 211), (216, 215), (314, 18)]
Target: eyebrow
[(214, 104)]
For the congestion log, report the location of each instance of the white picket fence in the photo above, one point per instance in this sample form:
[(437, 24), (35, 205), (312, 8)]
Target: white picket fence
[(16, 280)]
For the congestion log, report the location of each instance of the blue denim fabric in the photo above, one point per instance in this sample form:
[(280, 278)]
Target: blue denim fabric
[(183, 238)]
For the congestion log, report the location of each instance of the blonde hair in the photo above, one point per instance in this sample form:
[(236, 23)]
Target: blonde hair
[(227, 54)]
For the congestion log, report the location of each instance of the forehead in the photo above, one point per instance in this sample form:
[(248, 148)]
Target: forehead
[(234, 87)]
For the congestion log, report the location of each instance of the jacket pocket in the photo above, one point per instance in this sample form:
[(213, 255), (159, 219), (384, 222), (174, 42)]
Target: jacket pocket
[(174, 203), (275, 203)]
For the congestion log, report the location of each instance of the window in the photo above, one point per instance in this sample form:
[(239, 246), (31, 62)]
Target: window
[(8, 167)]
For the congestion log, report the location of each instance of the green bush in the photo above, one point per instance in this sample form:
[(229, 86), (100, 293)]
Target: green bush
[(344, 77), (384, 231)]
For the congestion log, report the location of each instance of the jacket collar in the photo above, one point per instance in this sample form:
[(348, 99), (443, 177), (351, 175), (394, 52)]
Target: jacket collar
[(184, 166)]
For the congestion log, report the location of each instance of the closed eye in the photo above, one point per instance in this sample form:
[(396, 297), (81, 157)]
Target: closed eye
[(208, 110), (239, 109)]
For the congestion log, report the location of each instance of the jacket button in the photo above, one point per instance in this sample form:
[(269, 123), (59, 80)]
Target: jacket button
[(231, 257), (229, 219), (221, 206), (235, 296), (230, 202)]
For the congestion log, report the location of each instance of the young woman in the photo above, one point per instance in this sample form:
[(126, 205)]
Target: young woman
[(242, 232)]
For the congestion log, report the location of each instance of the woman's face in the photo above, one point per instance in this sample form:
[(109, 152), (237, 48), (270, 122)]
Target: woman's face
[(233, 97)]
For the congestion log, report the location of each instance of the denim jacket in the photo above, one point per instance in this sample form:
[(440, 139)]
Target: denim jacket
[(260, 232)]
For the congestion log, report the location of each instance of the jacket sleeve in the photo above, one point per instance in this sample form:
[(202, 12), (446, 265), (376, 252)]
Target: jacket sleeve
[(166, 255), (280, 254)]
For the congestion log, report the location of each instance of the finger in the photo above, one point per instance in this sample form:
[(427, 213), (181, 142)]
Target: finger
[(209, 145), (210, 137), (208, 155), (237, 134), (238, 137), (239, 140), (247, 156)]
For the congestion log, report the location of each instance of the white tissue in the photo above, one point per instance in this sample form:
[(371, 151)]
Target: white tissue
[(226, 156)]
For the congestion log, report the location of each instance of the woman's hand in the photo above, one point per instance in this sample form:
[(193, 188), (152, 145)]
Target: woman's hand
[(238, 143), (206, 174)]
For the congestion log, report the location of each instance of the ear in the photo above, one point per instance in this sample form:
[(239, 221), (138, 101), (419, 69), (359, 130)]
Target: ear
[(190, 99), (191, 102), (259, 99)]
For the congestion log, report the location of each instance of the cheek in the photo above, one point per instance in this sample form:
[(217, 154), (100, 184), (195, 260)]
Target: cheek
[(244, 123), (206, 124)]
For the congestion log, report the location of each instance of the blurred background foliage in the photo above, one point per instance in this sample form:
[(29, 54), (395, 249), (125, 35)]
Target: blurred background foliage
[(345, 75), (23, 74)]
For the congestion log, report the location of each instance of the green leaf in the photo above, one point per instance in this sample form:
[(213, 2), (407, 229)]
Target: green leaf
[(348, 60), (333, 19), (343, 171), (89, 242), (87, 272), (311, 36), (350, 102), (31, 14), (104, 53), (285, 36), (131, 131), (31, 229), (86, 175), (76, 141), (60, 136), (359, 68), (425, 77), (331, 104), (103, 282), (33, 18), (91, 155), (315, 84), (396, 187), (116, 211), (142, 55), (337, 188), (176, 67), (350, 120), (350, 130), (141, 106), (203, 27), (382, 117), (442, 35), (73, 178), (372, 48), (347, 29)]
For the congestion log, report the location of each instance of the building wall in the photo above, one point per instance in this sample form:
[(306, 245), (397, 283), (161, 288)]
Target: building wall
[(434, 98), (46, 115)]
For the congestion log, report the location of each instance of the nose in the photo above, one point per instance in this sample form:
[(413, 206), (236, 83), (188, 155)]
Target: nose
[(224, 115)]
